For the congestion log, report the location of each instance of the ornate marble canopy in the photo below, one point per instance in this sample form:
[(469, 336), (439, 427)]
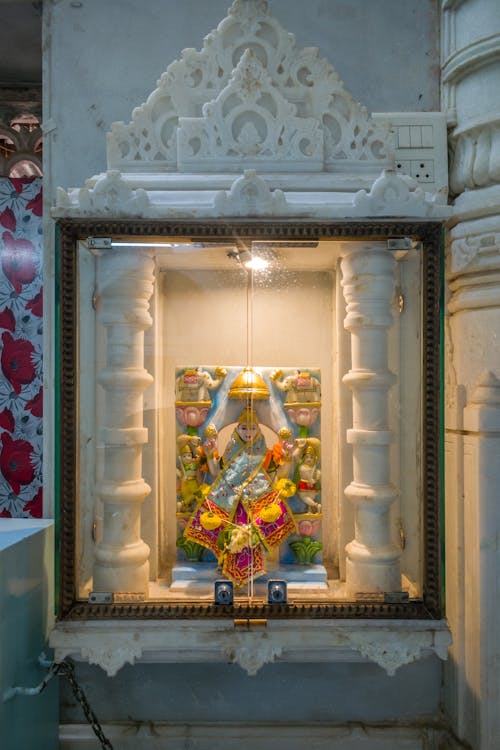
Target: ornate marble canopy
[(250, 126)]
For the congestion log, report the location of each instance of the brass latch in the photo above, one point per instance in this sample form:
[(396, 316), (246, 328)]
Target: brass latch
[(247, 624)]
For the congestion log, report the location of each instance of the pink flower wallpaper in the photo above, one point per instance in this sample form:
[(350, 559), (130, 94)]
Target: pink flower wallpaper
[(21, 390)]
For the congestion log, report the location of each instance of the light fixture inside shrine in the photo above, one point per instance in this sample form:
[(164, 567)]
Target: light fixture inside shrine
[(255, 261)]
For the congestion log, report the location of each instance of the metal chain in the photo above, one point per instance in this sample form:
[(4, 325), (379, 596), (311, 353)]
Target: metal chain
[(66, 668)]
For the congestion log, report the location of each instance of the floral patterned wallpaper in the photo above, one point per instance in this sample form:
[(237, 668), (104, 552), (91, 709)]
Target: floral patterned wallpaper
[(21, 390)]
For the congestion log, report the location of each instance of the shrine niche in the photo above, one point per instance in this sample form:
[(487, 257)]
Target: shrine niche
[(250, 348), (248, 469)]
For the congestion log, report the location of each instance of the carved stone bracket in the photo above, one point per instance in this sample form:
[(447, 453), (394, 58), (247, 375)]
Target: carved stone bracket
[(394, 195), (388, 653), (111, 645), (109, 196), (251, 651), (114, 194), (250, 196), (110, 657)]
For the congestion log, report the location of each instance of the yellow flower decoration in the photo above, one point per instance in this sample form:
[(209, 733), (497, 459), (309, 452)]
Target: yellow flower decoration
[(285, 487), (204, 489), (270, 513), (210, 520)]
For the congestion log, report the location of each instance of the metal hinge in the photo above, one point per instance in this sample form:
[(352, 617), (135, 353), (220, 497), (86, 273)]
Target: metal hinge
[(116, 597), (398, 244), (396, 597), (98, 597), (247, 624), (99, 243), (388, 597)]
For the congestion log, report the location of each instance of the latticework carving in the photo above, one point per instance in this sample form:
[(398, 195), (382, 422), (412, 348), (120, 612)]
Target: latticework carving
[(299, 93)]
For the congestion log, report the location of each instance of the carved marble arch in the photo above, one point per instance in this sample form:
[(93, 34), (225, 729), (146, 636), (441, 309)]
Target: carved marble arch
[(337, 129), (166, 287)]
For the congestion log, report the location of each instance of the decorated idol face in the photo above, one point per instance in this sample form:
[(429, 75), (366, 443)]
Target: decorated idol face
[(186, 457), (247, 432)]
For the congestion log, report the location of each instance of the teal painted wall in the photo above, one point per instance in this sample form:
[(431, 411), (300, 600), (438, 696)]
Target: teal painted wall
[(26, 614)]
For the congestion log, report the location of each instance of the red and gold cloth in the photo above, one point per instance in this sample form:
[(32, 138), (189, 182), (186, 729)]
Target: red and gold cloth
[(273, 532), (198, 532)]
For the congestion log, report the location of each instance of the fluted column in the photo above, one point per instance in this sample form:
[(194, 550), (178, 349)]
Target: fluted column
[(368, 281), (470, 85), (125, 285), (482, 562)]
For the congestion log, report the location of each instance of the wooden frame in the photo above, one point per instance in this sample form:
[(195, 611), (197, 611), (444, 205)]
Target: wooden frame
[(428, 233)]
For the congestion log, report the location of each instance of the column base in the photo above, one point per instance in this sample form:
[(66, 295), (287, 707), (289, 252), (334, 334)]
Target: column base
[(122, 579), (372, 577)]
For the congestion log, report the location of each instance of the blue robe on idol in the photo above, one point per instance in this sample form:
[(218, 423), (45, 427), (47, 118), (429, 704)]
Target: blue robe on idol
[(242, 473)]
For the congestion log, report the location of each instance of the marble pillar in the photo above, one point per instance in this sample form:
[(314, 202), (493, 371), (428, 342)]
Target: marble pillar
[(471, 81), (368, 281), (124, 287)]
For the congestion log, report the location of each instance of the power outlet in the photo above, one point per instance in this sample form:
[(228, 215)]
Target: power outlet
[(403, 166), (420, 146), (422, 170)]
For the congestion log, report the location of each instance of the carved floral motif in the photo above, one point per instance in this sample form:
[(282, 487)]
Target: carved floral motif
[(475, 157), (394, 195), (251, 651), (388, 655), (390, 647), (465, 250), (110, 196), (248, 122), (299, 91), (111, 658), (250, 196)]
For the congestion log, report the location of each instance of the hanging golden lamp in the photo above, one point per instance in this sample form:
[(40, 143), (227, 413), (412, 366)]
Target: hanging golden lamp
[(249, 385)]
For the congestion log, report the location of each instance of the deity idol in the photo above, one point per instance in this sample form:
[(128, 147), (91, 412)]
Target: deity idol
[(241, 472), (188, 470), (307, 472)]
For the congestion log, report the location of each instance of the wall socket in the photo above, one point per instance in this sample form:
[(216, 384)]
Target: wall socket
[(422, 170), (420, 143)]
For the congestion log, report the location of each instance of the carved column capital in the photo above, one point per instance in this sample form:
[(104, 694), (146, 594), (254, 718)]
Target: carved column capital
[(473, 265), (475, 155)]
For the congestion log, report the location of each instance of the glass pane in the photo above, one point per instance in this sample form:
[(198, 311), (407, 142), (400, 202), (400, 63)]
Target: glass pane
[(215, 418)]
